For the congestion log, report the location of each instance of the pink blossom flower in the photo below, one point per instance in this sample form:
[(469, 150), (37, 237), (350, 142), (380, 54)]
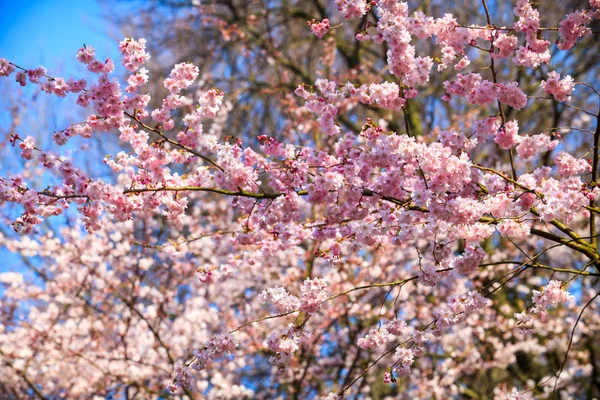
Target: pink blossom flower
[(509, 136), (505, 45), (485, 93), (182, 76), (467, 303), (536, 144), (396, 327), (551, 295), (6, 68), (283, 343), (86, 55), (513, 229), (559, 88), (139, 78), (525, 56), (352, 8), (572, 28), (27, 146), (405, 357), (470, 259), (21, 78), (513, 96), (35, 74), (320, 29), (462, 64), (281, 299), (134, 53), (568, 165), (376, 337), (312, 294), (428, 275)]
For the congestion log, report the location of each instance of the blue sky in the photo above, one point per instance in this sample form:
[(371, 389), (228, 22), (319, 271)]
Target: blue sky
[(50, 32)]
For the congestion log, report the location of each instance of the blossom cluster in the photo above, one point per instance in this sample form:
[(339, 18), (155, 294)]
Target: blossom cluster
[(311, 230)]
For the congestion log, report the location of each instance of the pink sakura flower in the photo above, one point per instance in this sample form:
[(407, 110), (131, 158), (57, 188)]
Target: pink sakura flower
[(183, 376), (529, 18), (568, 165), (352, 8), (572, 28), (537, 50), (210, 102), (11, 278), (27, 146), (283, 343), (559, 88), (444, 318), (514, 229), (505, 45), (513, 96), (485, 93), (464, 85), (172, 388), (100, 67), (362, 36), (223, 344), (136, 80), (376, 337), (536, 144), (424, 27), (21, 78), (526, 201), (467, 303), (448, 55), (320, 29), (35, 74), (387, 95), (312, 294), (83, 100), (76, 86), (6, 68), (215, 348), (462, 64), (86, 55), (522, 317), (509, 136), (470, 259), (396, 327), (405, 357), (487, 128), (551, 295), (428, 275), (525, 56), (60, 87), (281, 299), (60, 138), (134, 53), (182, 76)]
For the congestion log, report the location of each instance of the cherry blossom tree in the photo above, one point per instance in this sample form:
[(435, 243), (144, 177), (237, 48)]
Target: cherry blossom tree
[(411, 213)]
